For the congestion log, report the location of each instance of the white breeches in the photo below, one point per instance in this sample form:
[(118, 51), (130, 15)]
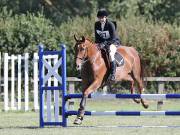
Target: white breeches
[(112, 52)]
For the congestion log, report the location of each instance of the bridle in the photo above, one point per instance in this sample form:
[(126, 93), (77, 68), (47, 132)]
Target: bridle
[(85, 59)]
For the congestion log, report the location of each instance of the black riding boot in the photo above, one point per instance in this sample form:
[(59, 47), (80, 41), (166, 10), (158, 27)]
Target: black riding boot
[(113, 71), (79, 75)]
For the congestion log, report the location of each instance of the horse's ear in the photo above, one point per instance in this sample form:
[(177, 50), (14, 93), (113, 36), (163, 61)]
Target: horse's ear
[(83, 39), (75, 38)]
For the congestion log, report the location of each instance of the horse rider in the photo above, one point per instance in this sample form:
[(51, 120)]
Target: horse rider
[(106, 37)]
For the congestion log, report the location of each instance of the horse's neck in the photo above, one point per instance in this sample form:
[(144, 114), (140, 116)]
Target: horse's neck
[(93, 52), (97, 67)]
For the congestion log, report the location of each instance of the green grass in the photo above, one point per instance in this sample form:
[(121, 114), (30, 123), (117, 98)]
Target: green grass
[(27, 123)]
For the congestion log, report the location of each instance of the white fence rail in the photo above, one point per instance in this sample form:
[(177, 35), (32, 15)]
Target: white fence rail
[(15, 81), (11, 61)]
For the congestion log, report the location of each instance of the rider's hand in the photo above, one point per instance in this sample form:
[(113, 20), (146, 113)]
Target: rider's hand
[(101, 45)]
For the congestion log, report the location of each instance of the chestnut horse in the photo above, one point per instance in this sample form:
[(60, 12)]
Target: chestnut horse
[(91, 64)]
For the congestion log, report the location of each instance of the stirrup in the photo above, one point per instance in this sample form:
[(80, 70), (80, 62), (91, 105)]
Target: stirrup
[(79, 76), (112, 77)]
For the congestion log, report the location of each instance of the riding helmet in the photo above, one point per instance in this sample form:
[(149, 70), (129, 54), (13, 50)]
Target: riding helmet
[(102, 13)]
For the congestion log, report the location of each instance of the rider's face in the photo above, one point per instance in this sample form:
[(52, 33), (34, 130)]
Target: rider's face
[(102, 19)]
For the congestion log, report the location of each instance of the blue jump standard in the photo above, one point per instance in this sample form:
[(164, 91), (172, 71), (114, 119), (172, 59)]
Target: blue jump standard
[(62, 87)]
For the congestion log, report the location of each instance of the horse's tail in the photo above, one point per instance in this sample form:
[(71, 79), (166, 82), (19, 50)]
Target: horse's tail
[(142, 69), (142, 73)]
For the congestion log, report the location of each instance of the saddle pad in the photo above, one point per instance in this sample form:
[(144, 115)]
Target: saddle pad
[(119, 59)]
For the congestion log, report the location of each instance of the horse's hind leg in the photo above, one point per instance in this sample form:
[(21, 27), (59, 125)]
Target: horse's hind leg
[(141, 89), (129, 78), (132, 92), (137, 75), (140, 86)]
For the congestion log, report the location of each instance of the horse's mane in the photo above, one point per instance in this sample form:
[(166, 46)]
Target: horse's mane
[(89, 40), (93, 43)]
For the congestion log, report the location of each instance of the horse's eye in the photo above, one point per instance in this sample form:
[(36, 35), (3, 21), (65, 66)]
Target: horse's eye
[(82, 49)]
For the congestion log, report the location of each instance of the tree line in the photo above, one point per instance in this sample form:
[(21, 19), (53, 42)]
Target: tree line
[(151, 26)]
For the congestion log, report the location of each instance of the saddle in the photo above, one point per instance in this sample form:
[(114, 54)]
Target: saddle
[(118, 58), (119, 62)]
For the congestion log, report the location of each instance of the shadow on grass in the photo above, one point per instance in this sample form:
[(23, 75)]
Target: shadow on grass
[(133, 126), (27, 127), (105, 126)]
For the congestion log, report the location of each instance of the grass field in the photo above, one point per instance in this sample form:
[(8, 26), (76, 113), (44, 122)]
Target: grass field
[(27, 123)]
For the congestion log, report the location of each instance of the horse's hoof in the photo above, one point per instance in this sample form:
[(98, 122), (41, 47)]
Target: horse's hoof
[(145, 106), (78, 121), (137, 101)]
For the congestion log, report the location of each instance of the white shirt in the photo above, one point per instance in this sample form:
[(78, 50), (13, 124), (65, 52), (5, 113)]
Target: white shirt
[(102, 25)]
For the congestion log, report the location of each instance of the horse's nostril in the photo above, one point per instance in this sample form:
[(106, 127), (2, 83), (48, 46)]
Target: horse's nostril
[(78, 67)]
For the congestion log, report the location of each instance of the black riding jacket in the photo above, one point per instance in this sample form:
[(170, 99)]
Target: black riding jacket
[(108, 34)]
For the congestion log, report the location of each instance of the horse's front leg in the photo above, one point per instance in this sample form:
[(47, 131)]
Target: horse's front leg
[(81, 111)]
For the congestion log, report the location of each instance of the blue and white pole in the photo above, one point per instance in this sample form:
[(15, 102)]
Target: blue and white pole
[(41, 104), (64, 90)]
